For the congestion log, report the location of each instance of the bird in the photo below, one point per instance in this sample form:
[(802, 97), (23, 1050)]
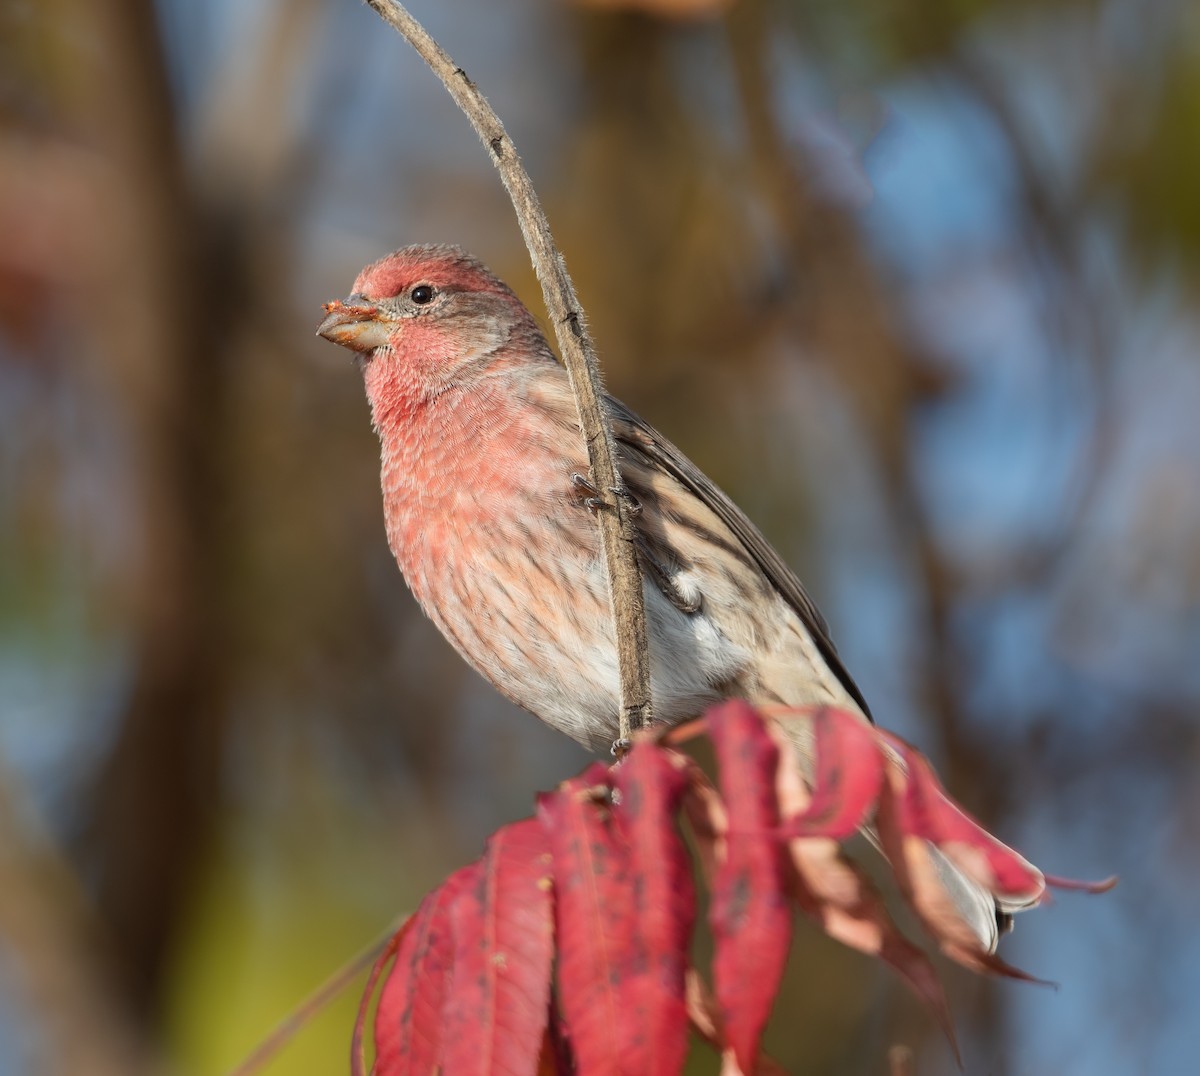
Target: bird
[(489, 515)]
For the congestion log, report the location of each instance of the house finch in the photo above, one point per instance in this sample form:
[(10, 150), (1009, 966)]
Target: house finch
[(490, 520)]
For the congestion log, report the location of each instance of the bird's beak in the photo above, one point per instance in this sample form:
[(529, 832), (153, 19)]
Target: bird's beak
[(356, 323)]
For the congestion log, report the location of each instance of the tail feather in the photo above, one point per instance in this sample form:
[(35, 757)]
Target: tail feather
[(978, 908), (987, 916)]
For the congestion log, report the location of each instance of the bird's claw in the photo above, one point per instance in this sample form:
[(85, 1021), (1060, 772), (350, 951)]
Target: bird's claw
[(593, 501)]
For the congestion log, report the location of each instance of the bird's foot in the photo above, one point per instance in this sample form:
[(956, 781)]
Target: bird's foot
[(592, 500)]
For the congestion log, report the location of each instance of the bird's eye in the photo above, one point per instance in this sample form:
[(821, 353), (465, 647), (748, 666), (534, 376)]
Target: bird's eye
[(421, 294)]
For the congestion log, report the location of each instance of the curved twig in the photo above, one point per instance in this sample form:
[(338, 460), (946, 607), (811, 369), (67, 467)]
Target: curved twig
[(617, 532)]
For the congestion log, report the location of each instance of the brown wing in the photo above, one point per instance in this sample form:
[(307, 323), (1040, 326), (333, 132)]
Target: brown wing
[(642, 440)]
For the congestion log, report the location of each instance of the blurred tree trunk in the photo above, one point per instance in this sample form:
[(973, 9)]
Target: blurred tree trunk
[(161, 317)]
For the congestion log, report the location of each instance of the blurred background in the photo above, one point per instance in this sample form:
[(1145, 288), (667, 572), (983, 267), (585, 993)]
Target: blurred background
[(917, 284)]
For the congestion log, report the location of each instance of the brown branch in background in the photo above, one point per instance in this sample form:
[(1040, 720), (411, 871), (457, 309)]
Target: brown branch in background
[(579, 357), (150, 316), (1082, 321)]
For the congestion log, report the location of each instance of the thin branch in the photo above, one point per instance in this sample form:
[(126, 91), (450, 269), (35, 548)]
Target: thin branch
[(617, 533), (313, 1005)]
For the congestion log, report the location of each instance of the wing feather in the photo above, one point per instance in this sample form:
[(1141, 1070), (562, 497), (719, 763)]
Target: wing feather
[(638, 437)]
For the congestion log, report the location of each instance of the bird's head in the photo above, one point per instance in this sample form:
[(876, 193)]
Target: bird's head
[(429, 316)]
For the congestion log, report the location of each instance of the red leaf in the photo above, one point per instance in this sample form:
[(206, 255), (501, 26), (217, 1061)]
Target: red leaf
[(926, 811), (750, 915), (496, 1008), (358, 1064), (408, 1023), (848, 775), (838, 897), (1102, 886), (651, 783), (706, 1020), (920, 883), (595, 921)]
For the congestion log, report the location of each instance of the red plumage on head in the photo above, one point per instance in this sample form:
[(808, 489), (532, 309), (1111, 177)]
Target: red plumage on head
[(448, 267)]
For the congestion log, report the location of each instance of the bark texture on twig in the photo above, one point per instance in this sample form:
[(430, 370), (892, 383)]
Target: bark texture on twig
[(579, 357)]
